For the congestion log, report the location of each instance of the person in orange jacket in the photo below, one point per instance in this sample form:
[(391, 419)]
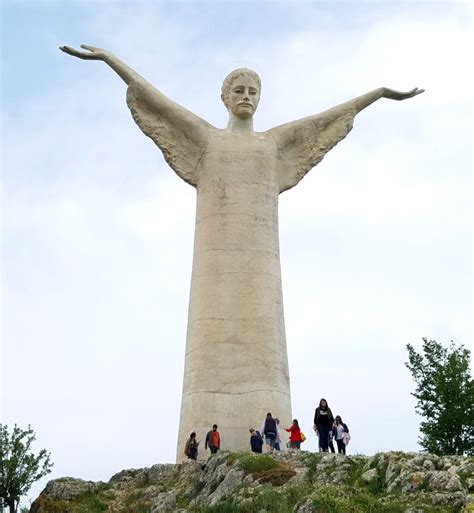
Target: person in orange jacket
[(213, 440)]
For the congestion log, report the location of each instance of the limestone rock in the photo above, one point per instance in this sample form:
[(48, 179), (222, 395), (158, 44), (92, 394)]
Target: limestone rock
[(231, 481), (68, 488), (297, 481), (446, 481), (369, 475), (165, 503)]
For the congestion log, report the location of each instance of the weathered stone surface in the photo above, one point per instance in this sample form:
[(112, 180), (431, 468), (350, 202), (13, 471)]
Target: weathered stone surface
[(369, 475), (161, 473), (429, 465), (235, 323), (63, 491), (306, 508), (68, 488), (165, 503), (444, 480), (231, 481)]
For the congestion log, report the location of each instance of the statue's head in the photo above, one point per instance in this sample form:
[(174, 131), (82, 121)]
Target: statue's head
[(241, 92)]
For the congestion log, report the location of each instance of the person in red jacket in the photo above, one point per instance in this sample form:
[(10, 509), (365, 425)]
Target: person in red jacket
[(295, 435)]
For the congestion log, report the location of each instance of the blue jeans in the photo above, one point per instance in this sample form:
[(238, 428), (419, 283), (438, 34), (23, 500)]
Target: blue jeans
[(323, 431)]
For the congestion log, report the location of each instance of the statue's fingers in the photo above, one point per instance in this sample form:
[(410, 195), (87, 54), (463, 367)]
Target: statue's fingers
[(71, 51), (415, 92), (67, 49), (88, 47)]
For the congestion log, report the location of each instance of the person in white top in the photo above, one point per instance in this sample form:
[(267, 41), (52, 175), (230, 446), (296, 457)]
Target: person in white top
[(340, 430)]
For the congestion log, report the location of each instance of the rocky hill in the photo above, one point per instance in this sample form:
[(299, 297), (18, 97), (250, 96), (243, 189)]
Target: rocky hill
[(296, 482)]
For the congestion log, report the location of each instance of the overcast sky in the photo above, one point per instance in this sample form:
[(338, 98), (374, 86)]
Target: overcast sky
[(98, 232)]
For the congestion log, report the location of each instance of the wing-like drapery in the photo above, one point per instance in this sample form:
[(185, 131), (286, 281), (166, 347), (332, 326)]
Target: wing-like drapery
[(302, 144), (181, 135)]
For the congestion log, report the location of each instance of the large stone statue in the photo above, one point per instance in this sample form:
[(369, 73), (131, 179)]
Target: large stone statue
[(236, 367)]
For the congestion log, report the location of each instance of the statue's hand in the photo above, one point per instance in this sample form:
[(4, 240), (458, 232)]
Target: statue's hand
[(399, 95), (95, 54)]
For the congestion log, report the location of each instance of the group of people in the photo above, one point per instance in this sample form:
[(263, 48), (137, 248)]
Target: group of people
[(269, 434), (327, 427), (213, 441)]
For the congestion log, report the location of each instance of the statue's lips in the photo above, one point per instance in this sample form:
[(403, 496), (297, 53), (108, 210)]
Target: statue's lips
[(245, 105)]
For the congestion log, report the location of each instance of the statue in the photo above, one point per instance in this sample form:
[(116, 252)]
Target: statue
[(236, 367)]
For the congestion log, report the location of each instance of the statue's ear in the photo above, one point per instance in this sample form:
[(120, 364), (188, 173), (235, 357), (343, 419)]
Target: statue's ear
[(223, 99)]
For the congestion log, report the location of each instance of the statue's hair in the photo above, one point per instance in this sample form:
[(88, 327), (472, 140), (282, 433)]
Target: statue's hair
[(229, 79)]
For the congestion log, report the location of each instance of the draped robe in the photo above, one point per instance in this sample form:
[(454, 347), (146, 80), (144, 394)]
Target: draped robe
[(236, 366)]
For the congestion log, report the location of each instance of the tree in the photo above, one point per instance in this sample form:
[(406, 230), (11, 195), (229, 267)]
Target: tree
[(445, 394), (19, 467)]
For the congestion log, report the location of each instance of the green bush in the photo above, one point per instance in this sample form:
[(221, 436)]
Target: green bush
[(252, 463)]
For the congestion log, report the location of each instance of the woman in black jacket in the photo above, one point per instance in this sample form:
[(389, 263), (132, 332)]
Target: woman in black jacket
[(323, 420)]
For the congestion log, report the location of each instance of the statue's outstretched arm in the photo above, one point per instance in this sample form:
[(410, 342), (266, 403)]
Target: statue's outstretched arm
[(126, 73), (361, 102), (303, 143), (181, 135)]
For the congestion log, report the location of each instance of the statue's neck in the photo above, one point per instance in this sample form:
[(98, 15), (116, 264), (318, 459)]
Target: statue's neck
[(240, 125)]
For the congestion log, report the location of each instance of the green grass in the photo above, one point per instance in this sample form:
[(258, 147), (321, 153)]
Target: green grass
[(223, 506), (374, 461), (88, 503), (465, 474), (135, 503), (52, 505), (273, 502), (252, 463), (268, 500), (356, 469), (376, 486), (329, 499), (311, 461)]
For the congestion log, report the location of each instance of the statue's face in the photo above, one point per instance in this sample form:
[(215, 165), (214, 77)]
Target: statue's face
[(243, 97)]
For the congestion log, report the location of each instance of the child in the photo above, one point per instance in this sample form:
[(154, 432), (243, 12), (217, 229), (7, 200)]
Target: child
[(256, 441)]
